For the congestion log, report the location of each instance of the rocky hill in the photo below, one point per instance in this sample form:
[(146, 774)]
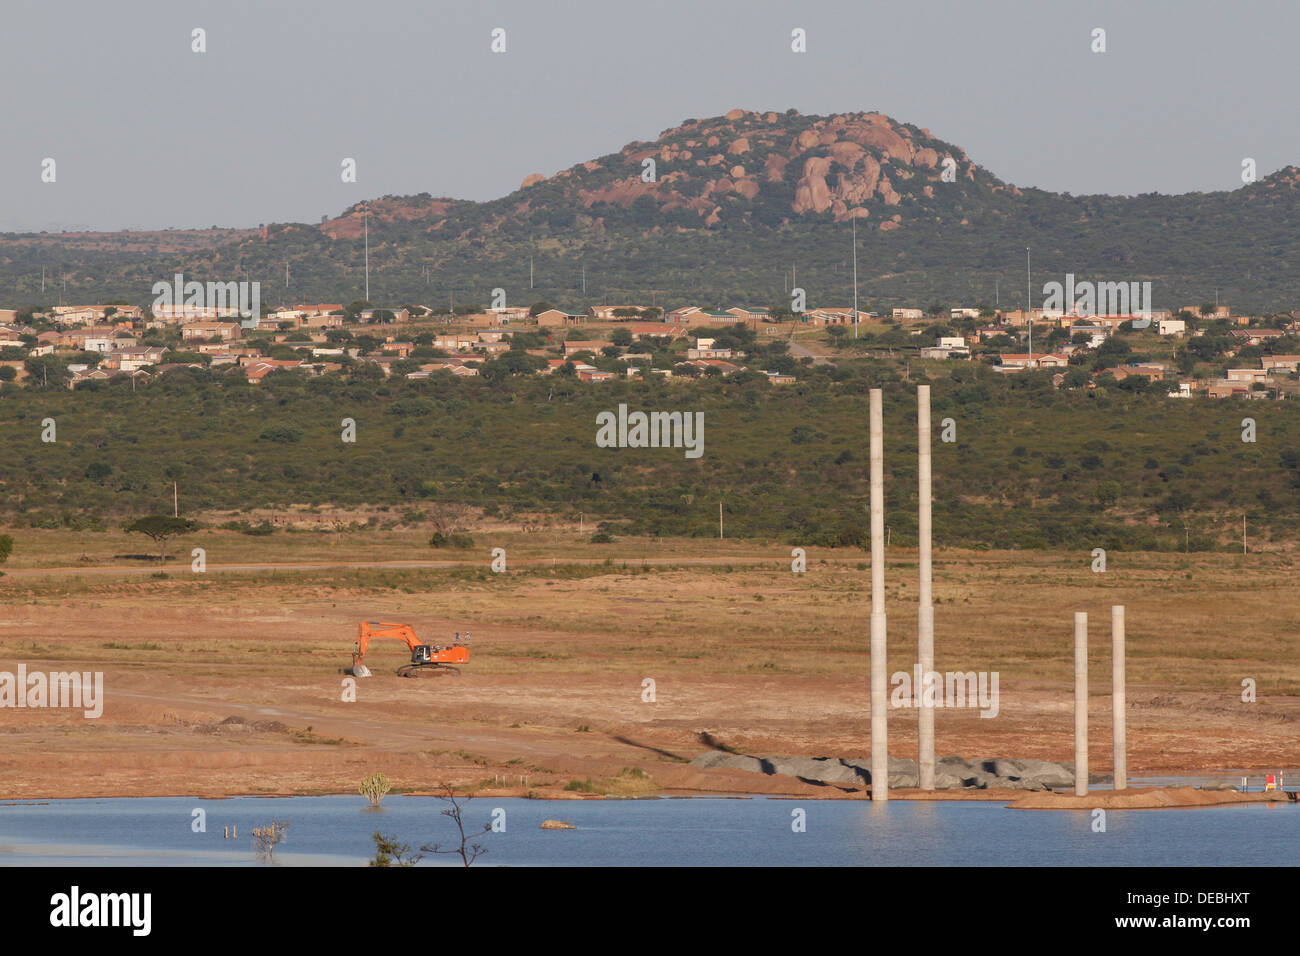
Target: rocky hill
[(721, 209)]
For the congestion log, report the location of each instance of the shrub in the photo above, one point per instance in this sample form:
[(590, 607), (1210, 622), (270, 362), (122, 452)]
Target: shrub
[(267, 838), (374, 788)]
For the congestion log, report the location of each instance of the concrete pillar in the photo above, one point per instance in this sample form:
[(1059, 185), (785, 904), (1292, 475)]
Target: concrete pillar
[(1119, 696), (879, 669), (1080, 703), (925, 599)]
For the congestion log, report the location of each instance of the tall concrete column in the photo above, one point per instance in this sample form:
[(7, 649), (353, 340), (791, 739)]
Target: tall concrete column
[(879, 669), (1080, 703), (1119, 696), (925, 598)]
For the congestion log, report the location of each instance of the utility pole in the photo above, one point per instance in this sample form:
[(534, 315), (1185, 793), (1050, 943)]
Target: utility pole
[(176, 501), (1080, 704), (530, 272), (1029, 309), (855, 277), (719, 519), (367, 229), (925, 599), (879, 673)]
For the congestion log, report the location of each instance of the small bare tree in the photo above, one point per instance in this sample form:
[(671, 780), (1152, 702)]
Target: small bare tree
[(468, 851), (266, 839), (448, 516), (374, 788)]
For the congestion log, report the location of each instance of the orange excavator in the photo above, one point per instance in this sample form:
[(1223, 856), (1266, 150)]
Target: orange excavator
[(425, 659)]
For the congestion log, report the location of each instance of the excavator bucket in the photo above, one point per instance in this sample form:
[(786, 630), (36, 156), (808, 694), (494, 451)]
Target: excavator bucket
[(360, 670)]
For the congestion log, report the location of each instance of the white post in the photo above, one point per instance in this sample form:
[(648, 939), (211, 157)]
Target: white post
[(1119, 700), (1080, 703), (925, 606), (879, 670)]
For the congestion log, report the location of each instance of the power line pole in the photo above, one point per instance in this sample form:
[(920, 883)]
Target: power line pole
[(367, 228), (855, 277), (1029, 309)]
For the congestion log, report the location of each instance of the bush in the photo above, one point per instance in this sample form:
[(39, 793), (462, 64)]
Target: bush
[(374, 788), (462, 542), (602, 537), (267, 838), (285, 434)]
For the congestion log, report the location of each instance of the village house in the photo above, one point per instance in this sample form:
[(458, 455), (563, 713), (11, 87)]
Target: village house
[(832, 316), (1250, 375), (1230, 389), (751, 315), (710, 317), (907, 315), (1280, 363), (507, 314), (683, 315), (1172, 327), (1151, 372), (1018, 361), (225, 331), (726, 368), (1256, 336), (657, 329), (133, 358), (704, 350), (589, 374), (1219, 312), (572, 348), (256, 371), (370, 316), (320, 308), (558, 318)]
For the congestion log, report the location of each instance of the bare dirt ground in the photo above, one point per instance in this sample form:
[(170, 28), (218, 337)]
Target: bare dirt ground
[(222, 684)]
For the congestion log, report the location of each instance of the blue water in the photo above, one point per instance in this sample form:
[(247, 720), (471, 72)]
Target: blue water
[(334, 831)]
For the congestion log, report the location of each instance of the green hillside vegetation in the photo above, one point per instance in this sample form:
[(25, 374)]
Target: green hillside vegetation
[(1032, 467)]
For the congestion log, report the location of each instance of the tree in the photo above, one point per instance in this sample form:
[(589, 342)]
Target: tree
[(6, 547), (388, 852), (467, 851), (374, 788), (267, 838), (162, 527)]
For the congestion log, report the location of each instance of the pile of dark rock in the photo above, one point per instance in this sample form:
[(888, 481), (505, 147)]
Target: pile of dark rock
[(950, 773)]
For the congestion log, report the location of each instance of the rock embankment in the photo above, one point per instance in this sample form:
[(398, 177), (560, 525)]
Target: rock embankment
[(950, 773)]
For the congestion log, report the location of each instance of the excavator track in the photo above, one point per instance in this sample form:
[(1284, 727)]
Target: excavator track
[(431, 669)]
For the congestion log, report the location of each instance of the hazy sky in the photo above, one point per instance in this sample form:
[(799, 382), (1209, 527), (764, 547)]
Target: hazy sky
[(147, 134)]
